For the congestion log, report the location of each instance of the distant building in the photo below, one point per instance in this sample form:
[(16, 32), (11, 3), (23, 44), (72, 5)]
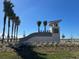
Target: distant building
[(43, 38)]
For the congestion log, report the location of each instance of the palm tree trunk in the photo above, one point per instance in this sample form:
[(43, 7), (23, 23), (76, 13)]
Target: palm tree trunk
[(4, 28), (45, 28), (8, 36), (12, 30), (38, 29), (16, 33)]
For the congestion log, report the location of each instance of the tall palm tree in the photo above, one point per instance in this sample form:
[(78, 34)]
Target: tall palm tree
[(45, 24), (63, 36), (8, 36), (4, 28), (10, 12), (12, 18), (17, 26), (39, 24), (5, 16), (13, 21)]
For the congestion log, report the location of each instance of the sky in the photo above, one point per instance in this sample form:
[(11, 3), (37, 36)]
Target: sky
[(30, 11)]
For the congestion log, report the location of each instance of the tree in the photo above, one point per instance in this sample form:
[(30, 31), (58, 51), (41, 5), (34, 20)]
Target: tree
[(45, 24), (4, 28), (17, 26), (13, 21), (63, 36), (5, 16), (8, 36), (9, 14), (38, 24), (7, 7)]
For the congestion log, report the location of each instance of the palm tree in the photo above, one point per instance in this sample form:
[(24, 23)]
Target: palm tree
[(13, 21), (12, 18), (17, 26), (39, 24), (5, 16), (8, 36), (4, 28), (10, 13), (63, 36), (45, 24), (9, 18), (7, 5)]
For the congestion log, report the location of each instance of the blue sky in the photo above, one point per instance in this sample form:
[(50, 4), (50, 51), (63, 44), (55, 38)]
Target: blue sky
[(30, 11)]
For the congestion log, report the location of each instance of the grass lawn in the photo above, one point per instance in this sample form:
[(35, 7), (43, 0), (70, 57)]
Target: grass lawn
[(57, 54), (45, 52), (9, 55)]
